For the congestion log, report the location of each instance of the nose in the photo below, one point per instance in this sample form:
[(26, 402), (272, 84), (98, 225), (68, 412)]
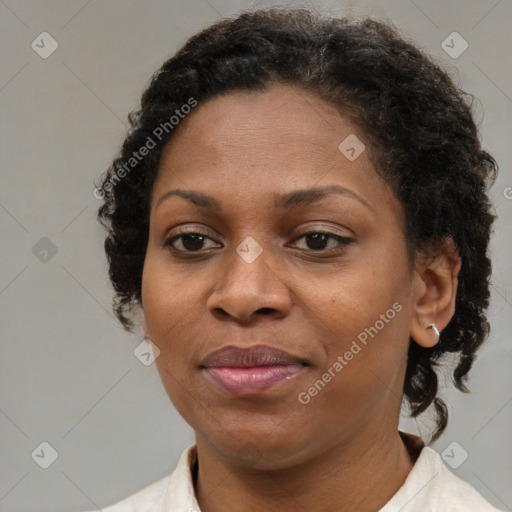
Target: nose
[(247, 291)]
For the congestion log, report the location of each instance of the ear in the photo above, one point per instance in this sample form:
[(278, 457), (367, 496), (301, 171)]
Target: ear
[(435, 292)]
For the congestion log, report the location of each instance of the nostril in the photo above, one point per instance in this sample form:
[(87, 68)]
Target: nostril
[(266, 311), (220, 313)]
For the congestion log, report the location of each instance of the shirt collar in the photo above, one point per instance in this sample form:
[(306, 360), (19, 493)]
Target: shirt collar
[(180, 493)]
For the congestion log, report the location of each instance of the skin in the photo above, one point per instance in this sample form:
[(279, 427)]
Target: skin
[(341, 451)]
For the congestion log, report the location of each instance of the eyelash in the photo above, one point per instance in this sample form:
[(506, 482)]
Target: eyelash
[(343, 241)]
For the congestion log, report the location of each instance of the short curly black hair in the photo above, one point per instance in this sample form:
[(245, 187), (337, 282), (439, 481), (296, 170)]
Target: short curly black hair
[(419, 125)]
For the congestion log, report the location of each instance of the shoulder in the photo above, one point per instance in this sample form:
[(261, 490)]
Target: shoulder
[(454, 493), (174, 492), (144, 500), (432, 486)]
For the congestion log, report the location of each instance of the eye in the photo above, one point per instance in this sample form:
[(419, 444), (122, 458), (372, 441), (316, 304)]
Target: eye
[(190, 241), (319, 240), (316, 241)]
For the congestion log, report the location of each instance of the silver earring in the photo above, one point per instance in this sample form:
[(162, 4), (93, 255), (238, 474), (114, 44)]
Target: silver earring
[(435, 329)]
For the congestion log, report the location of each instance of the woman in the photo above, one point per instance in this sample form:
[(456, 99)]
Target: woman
[(300, 211)]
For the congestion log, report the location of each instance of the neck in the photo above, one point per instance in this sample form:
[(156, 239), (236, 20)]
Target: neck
[(355, 475)]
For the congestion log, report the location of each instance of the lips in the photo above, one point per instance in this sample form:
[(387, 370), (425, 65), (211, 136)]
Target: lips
[(257, 355), (252, 370)]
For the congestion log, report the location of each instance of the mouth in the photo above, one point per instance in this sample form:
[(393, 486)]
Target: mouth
[(251, 371)]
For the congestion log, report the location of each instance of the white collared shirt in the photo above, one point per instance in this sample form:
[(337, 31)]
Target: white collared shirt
[(429, 487)]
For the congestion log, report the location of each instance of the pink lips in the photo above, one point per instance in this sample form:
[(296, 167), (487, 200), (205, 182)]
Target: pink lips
[(250, 371)]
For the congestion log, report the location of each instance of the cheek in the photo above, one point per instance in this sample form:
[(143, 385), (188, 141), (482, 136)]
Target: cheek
[(174, 307), (365, 339), (352, 299), (166, 296), (360, 315), (170, 304)]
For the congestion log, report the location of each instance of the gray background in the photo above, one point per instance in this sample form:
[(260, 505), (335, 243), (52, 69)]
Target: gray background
[(68, 375)]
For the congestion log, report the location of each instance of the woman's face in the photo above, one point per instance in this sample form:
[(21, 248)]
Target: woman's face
[(262, 177)]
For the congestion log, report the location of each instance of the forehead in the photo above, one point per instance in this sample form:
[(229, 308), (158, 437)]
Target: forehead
[(282, 138), (257, 120)]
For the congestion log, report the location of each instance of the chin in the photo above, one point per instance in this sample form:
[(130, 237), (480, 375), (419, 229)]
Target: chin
[(261, 449)]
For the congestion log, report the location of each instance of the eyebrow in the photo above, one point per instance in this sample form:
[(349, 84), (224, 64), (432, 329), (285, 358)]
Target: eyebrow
[(198, 198), (295, 199)]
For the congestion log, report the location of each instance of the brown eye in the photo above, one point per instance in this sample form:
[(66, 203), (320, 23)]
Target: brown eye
[(187, 242), (319, 240)]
